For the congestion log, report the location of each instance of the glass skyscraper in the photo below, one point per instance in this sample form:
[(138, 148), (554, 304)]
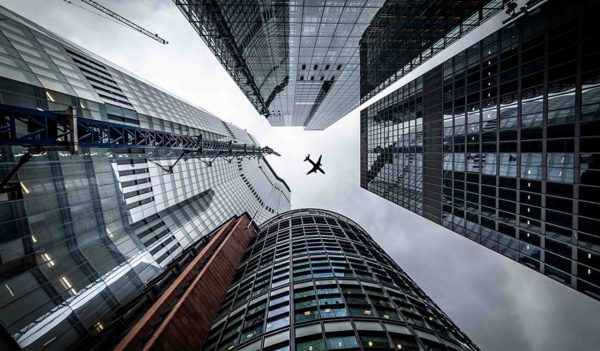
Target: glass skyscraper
[(300, 62), (500, 142), (314, 280), (82, 235)]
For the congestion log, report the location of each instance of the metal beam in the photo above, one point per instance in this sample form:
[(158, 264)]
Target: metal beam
[(43, 131), (122, 19), (63, 131)]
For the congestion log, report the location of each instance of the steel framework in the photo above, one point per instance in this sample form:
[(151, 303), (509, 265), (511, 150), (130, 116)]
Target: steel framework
[(43, 131), (206, 18), (122, 19)]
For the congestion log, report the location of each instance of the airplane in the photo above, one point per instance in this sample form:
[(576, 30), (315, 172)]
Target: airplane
[(316, 166)]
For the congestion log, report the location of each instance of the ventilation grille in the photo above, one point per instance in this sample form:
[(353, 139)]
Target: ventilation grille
[(100, 79)]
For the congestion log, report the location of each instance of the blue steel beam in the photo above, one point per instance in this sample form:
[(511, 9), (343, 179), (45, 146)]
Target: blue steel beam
[(28, 127), (42, 131), (51, 130)]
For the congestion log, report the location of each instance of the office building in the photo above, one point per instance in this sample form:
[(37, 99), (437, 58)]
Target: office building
[(315, 280), (500, 142), (308, 63), (181, 317), (83, 234)]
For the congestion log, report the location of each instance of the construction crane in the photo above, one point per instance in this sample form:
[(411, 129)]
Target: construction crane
[(43, 131), (121, 19)]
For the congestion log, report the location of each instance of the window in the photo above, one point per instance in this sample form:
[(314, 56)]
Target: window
[(531, 166), (341, 342), (278, 323), (257, 307), (374, 341), (306, 315), (404, 342), (314, 344), (388, 314), (276, 300), (560, 168), (278, 342), (330, 312), (278, 311), (250, 333)]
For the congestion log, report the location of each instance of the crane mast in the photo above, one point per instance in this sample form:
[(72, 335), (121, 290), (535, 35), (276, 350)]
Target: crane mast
[(43, 131)]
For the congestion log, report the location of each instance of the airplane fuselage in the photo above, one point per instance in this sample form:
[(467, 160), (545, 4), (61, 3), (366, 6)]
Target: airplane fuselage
[(316, 165)]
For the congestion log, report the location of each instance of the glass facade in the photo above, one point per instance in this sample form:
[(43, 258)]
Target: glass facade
[(405, 34), (510, 138), (83, 235), (395, 144), (315, 280), (299, 62)]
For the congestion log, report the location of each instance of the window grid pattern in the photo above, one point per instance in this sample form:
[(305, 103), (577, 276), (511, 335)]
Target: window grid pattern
[(298, 61), (405, 34), (314, 280), (86, 233), (30, 54), (519, 171), (394, 144)]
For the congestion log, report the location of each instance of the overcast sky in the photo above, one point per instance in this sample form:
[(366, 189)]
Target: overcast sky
[(499, 303)]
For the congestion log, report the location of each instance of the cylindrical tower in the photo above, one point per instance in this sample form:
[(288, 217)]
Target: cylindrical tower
[(315, 280)]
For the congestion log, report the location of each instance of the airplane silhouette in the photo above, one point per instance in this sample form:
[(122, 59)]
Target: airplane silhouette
[(316, 166)]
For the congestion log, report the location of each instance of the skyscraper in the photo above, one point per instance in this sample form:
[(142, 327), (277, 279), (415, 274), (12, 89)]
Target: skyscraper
[(500, 142), (315, 280), (86, 226), (308, 63)]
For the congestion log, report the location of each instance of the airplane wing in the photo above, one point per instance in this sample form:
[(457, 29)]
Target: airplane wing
[(316, 165)]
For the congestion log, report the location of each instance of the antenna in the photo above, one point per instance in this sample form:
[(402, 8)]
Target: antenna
[(121, 19)]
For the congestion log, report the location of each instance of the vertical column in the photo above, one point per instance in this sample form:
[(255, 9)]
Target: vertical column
[(364, 142), (433, 123)]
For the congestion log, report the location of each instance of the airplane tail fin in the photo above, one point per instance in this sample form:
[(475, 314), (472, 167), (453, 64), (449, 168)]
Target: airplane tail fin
[(307, 158)]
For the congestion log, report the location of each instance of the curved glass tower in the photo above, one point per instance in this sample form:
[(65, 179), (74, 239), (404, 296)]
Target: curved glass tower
[(315, 280)]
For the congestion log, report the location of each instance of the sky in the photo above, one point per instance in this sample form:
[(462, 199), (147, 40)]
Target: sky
[(499, 303)]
